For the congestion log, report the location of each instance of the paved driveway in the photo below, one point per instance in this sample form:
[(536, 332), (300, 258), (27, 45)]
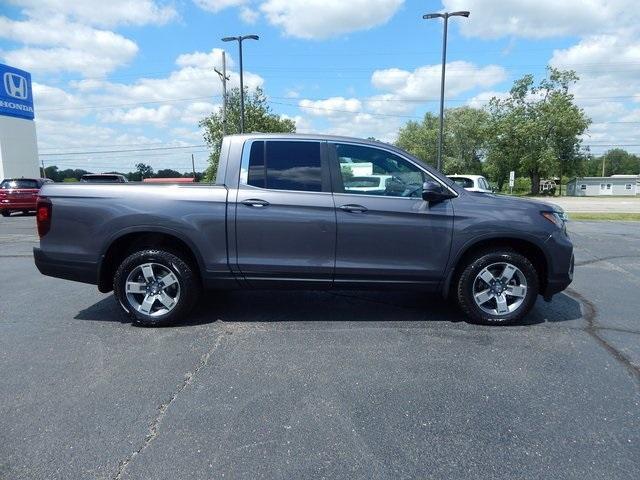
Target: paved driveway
[(322, 385), (596, 204)]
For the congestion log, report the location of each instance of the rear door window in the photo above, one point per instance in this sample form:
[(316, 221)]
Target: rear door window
[(285, 165)]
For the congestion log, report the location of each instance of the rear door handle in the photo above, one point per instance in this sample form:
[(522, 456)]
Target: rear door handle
[(353, 208), (255, 202)]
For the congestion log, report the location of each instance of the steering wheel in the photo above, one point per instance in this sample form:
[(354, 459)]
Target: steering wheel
[(410, 189)]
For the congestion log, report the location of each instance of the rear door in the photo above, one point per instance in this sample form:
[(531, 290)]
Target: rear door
[(390, 236), (285, 216)]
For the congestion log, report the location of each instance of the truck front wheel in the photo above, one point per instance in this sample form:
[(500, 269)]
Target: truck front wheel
[(155, 287), (497, 287)]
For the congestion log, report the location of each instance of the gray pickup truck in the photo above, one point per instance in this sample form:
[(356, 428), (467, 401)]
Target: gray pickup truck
[(305, 211)]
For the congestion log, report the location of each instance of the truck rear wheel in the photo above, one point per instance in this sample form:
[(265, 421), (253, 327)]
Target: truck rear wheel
[(155, 287), (5, 213), (497, 287)]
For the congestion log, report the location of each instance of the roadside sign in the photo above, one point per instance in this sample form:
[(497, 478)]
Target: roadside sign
[(16, 99), (512, 178)]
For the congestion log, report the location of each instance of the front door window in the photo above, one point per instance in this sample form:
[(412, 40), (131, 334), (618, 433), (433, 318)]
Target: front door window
[(372, 171)]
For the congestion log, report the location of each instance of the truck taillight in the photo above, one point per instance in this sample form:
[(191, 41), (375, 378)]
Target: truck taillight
[(43, 215)]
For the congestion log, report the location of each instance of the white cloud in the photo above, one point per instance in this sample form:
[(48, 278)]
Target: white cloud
[(424, 82), (140, 115), (50, 98), (249, 15), (55, 44), (327, 18), (403, 91), (331, 107), (482, 99), (186, 95), (196, 111), (543, 18), (99, 12), (204, 60), (217, 5)]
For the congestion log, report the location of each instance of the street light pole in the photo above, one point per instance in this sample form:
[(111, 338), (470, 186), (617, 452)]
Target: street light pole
[(445, 16), (239, 39)]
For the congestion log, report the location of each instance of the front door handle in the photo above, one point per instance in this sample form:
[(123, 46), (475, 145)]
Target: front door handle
[(255, 202), (353, 208)]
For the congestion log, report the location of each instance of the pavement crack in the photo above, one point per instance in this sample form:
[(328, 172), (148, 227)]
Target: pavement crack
[(154, 426), (590, 314)]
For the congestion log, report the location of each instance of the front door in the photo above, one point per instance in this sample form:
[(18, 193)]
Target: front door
[(285, 216), (386, 232)]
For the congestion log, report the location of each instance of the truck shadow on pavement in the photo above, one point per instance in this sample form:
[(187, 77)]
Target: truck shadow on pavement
[(338, 306)]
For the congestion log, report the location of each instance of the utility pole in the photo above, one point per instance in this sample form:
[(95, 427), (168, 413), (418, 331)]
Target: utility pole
[(193, 167), (224, 78), (240, 39), (44, 172), (445, 16), (603, 157)]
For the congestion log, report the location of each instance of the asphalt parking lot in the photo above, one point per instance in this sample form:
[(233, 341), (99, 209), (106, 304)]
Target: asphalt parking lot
[(281, 385)]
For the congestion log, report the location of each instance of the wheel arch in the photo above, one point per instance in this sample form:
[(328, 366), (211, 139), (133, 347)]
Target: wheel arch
[(123, 244), (525, 247)]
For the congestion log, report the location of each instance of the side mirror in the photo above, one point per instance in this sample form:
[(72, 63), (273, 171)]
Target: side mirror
[(434, 192)]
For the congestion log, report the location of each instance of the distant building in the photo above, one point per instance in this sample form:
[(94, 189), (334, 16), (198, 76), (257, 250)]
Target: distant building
[(627, 185)]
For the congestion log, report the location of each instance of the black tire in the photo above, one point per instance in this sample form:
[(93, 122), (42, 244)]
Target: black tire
[(5, 213), (467, 279), (187, 279)]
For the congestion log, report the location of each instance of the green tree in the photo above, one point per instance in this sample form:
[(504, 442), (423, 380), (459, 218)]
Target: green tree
[(536, 129), (168, 173), (258, 118), (464, 142), (421, 138), (70, 173), (616, 162), (143, 171), (52, 173)]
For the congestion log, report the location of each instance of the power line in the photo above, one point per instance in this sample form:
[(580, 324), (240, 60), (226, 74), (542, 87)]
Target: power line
[(98, 106), (121, 151)]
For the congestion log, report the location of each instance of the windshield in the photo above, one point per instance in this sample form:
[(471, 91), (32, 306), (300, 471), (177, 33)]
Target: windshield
[(19, 183)]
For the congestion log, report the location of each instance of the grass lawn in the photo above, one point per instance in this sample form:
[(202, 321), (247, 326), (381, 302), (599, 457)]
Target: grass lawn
[(605, 216)]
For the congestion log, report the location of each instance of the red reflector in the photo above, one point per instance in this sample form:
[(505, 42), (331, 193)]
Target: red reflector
[(43, 215)]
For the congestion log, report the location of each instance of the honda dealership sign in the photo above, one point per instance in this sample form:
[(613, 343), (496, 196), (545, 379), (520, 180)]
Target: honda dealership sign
[(16, 99), (18, 144)]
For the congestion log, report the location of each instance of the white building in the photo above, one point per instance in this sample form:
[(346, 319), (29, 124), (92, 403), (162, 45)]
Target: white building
[(18, 145), (621, 185)]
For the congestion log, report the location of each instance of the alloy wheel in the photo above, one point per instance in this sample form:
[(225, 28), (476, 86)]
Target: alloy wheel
[(152, 289), (500, 288)]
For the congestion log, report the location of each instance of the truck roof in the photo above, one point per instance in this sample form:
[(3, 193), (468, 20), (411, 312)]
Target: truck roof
[(310, 136)]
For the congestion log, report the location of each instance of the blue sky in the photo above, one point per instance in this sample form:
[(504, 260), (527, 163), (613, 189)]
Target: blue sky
[(128, 76)]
